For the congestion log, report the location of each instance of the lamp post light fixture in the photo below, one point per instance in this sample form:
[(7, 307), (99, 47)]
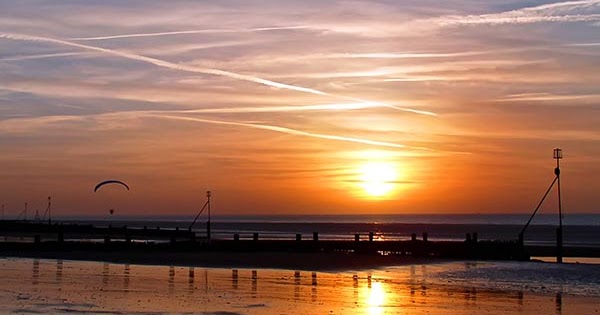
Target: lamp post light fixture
[(559, 233)]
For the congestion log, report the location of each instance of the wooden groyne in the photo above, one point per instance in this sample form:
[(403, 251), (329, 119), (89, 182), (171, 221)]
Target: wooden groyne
[(27, 236)]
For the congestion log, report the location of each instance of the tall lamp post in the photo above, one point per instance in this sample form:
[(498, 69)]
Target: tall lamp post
[(559, 233)]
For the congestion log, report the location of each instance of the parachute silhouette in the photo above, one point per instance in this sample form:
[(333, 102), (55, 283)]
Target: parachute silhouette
[(110, 181)]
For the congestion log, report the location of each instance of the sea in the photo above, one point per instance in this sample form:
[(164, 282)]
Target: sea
[(578, 229)]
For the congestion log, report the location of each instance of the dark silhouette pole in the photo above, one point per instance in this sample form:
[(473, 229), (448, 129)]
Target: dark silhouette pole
[(205, 207), (208, 222), (48, 211), (521, 234), (559, 233)]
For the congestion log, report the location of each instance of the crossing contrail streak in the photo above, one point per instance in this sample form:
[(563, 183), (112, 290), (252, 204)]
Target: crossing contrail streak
[(291, 131), (179, 67), (202, 31), (40, 56), (163, 63)]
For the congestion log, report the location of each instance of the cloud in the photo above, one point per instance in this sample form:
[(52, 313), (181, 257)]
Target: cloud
[(292, 131), (186, 68), (30, 124), (569, 11)]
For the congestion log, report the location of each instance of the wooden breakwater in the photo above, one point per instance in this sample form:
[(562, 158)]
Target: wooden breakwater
[(36, 236)]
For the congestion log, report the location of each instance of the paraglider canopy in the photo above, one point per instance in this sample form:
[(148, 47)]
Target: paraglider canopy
[(110, 181)]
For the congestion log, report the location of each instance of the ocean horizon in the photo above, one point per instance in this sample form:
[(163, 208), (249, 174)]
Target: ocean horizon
[(585, 219)]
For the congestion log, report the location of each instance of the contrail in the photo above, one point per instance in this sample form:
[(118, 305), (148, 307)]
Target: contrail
[(266, 109), (174, 66), (582, 45), (40, 56), (163, 63), (292, 131), (202, 31), (387, 55)]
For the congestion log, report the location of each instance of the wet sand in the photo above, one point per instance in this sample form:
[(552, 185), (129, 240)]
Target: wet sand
[(310, 261), (44, 286)]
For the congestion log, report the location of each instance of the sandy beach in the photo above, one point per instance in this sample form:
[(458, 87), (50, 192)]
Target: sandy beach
[(51, 286)]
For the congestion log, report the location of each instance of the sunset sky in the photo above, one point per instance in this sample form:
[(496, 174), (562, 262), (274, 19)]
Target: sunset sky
[(299, 107)]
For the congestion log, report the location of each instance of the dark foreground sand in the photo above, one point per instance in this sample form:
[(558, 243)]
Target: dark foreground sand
[(43, 286)]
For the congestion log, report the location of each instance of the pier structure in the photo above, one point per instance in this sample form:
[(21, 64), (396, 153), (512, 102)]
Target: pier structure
[(23, 237)]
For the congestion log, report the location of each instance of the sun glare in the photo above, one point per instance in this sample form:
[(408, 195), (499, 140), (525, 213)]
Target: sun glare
[(377, 178), (376, 299)]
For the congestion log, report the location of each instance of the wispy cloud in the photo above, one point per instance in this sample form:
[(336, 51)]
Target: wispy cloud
[(292, 132), (569, 11), (186, 68), (29, 124)]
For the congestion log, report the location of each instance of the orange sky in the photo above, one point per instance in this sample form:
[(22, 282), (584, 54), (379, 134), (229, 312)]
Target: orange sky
[(299, 107)]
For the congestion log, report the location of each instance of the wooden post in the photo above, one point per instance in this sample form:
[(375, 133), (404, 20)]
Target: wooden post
[(371, 236), (255, 237), (357, 237), (316, 236), (298, 237), (413, 237), (559, 244), (236, 237), (425, 236)]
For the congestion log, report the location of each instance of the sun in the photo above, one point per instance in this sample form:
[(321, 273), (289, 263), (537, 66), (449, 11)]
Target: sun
[(378, 178)]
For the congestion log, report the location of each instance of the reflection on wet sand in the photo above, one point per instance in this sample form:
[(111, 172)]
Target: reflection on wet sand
[(35, 273), (296, 285), (190, 280), (237, 292), (313, 289), (105, 273), (126, 272), (171, 279), (234, 279), (558, 303), (254, 283), (59, 270), (520, 298)]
